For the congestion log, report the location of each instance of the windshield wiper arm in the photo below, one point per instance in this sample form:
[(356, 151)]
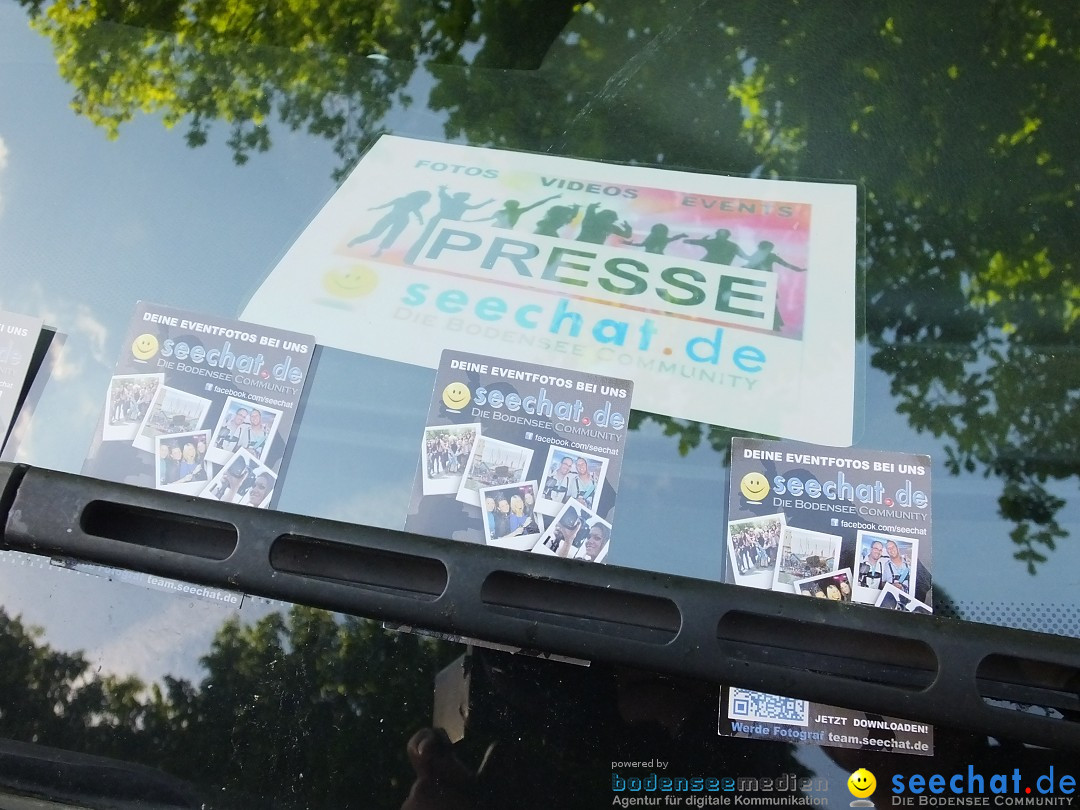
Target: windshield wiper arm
[(924, 668)]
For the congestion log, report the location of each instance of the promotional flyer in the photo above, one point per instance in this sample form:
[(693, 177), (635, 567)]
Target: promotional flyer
[(724, 299), (18, 337), (849, 525), (521, 456), (200, 405)]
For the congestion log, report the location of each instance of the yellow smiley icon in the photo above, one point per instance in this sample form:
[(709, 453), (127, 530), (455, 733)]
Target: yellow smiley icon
[(351, 282), (861, 783), (456, 396), (144, 346), (754, 487)]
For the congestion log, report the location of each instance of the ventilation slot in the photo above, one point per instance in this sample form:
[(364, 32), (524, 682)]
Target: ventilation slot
[(167, 531), (818, 647), (632, 616), (384, 571), (1023, 684)]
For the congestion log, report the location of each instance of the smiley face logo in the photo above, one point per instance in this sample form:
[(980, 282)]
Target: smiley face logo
[(456, 396), (861, 783), (351, 282), (144, 347), (754, 487)]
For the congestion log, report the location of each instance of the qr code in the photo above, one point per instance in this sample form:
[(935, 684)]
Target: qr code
[(744, 704)]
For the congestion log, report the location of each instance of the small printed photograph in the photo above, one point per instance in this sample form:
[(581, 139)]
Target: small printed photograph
[(493, 463), (244, 426), (576, 533), (754, 549), (570, 475), (126, 404), (245, 480), (597, 541), (444, 454), (892, 598), (804, 554), (171, 411), (510, 516), (883, 559), (835, 585), (182, 465)]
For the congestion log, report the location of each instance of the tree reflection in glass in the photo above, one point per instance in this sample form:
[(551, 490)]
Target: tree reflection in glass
[(958, 124)]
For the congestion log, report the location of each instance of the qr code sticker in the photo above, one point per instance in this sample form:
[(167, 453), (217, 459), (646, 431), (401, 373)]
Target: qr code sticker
[(744, 704)]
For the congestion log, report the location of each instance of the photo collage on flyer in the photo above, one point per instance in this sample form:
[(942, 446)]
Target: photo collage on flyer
[(201, 406), (18, 337), (840, 524), (521, 456)]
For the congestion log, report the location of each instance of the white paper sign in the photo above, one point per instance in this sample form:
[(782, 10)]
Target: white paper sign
[(726, 300)]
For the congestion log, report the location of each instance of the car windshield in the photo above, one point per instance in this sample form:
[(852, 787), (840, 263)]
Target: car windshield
[(175, 152)]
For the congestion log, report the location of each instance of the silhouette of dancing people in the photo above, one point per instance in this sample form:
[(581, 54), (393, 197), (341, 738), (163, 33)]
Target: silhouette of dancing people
[(765, 259), (510, 213), (657, 240), (598, 225), (451, 206), (719, 249), (558, 216), (396, 220)]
